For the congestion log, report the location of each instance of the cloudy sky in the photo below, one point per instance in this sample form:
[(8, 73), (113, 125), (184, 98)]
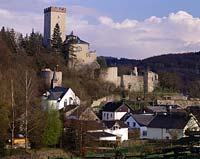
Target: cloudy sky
[(121, 28)]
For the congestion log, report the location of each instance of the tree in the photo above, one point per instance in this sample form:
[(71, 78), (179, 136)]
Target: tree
[(56, 38), (4, 126), (53, 128)]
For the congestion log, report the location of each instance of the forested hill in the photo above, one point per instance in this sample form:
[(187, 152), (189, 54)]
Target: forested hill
[(179, 72)]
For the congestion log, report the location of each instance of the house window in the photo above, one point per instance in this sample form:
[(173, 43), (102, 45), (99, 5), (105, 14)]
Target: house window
[(128, 123), (111, 115), (115, 127), (65, 102), (107, 116), (70, 100), (134, 124), (144, 133)]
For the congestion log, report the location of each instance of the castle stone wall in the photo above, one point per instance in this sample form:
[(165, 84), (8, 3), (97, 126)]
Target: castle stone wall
[(133, 83), (47, 75), (83, 55), (111, 75), (150, 81), (52, 16)]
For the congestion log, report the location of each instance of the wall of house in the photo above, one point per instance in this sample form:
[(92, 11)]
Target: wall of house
[(111, 138), (68, 99), (191, 125), (143, 132), (107, 116), (119, 115), (122, 133), (162, 133), (130, 123)]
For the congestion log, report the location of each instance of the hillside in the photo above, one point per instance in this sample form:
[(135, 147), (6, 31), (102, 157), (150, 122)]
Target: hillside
[(177, 72)]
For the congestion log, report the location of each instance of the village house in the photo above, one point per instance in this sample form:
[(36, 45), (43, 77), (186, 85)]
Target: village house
[(59, 97), (114, 110), (117, 128), (138, 121), (171, 126), (93, 130)]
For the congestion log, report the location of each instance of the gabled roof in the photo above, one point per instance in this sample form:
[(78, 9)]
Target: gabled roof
[(110, 124), (79, 111), (169, 121), (115, 106), (57, 92), (141, 119), (72, 39)]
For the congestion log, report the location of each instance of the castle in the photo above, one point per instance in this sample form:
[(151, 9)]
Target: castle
[(53, 16), (133, 82), (78, 54), (78, 51)]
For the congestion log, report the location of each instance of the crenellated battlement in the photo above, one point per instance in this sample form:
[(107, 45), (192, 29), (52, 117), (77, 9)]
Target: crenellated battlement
[(55, 9)]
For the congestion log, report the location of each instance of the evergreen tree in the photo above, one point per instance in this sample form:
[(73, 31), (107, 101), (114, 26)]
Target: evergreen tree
[(53, 128), (56, 38)]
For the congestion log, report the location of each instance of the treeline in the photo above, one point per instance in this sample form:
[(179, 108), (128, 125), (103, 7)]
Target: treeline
[(177, 72), (21, 61)]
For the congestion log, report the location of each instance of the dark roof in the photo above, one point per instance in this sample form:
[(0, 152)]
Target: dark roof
[(97, 135), (110, 124), (169, 121), (78, 111), (72, 39), (143, 120), (113, 106), (57, 92)]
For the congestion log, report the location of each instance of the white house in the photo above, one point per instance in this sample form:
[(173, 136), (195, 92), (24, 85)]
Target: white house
[(114, 111), (138, 121), (171, 126), (117, 128), (59, 97)]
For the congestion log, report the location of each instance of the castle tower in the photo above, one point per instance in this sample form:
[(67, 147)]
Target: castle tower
[(52, 16)]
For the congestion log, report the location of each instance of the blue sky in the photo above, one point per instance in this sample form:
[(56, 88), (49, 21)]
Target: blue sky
[(132, 29)]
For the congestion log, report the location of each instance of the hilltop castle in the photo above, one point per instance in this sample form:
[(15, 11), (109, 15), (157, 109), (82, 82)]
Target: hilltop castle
[(78, 54)]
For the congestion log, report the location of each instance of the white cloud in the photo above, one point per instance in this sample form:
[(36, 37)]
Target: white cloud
[(127, 23), (4, 13)]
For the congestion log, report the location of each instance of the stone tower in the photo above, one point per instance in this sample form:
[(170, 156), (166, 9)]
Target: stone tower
[(52, 16)]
